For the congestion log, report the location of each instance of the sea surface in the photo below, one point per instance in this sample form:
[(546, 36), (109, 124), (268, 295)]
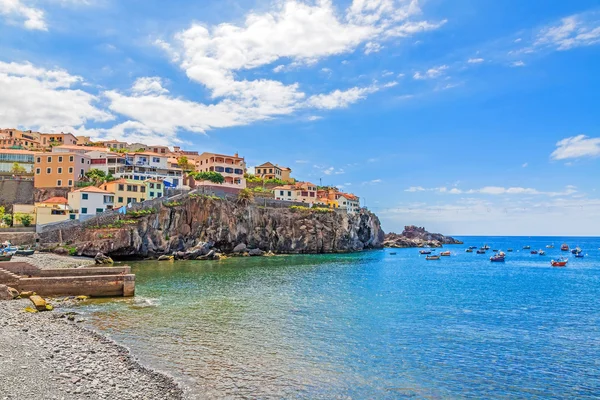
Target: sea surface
[(370, 325)]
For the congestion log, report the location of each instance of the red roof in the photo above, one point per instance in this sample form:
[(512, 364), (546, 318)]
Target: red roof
[(55, 200), (92, 189)]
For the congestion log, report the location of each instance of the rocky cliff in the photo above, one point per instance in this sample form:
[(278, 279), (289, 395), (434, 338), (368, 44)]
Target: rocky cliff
[(199, 224), (413, 236)]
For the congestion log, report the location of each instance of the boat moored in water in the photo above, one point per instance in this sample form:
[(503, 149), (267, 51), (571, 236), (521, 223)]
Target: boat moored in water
[(576, 250), (445, 253), (432, 257), (486, 247), (526, 247), (509, 250), (533, 251), (549, 246), (542, 253), (561, 262), (480, 251), (424, 251), (564, 247), (469, 250), (579, 255), (497, 258)]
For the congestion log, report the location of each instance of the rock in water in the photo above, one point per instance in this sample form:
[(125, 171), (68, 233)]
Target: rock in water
[(256, 252), (103, 259), (414, 236), (165, 258), (240, 248)]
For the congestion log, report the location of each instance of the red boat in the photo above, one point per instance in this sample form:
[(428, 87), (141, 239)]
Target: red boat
[(564, 247), (445, 253), (561, 262)]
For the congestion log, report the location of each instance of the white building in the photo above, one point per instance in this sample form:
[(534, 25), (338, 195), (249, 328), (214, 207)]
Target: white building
[(89, 201), (149, 165), (348, 201)]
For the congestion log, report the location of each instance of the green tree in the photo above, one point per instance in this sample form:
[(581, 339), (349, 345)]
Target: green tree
[(185, 164), (24, 219), (96, 176), (245, 196), (17, 169), (211, 176)]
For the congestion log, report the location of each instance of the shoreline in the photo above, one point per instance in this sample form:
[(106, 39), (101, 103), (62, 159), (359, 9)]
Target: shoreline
[(45, 353)]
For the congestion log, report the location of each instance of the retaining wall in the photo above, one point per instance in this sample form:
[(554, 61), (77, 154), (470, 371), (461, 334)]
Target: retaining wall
[(93, 286)]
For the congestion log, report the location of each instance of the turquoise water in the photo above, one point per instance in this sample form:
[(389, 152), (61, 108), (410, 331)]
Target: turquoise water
[(370, 325)]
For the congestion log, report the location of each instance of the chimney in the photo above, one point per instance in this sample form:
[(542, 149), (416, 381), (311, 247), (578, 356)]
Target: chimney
[(236, 154)]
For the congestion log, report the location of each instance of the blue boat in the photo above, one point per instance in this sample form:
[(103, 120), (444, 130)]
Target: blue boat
[(480, 251), (497, 258), (579, 255)]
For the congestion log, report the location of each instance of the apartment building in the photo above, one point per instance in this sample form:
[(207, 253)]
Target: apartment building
[(126, 191), (304, 192), (149, 165), (17, 139), (89, 201), (348, 201), (114, 144), (154, 188), (231, 167), (273, 171), (59, 169), (57, 139), (9, 157)]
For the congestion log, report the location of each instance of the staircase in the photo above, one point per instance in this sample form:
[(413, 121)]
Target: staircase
[(8, 278)]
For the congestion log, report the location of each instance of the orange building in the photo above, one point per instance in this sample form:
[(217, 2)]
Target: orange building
[(57, 139), (231, 167), (59, 169), (14, 138)]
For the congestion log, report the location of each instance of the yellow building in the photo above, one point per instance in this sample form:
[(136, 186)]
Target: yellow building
[(126, 191), (273, 171), (54, 209)]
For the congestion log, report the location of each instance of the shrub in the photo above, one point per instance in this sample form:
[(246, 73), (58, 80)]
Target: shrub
[(24, 219), (172, 203), (245, 196), (7, 219), (140, 213), (210, 176)]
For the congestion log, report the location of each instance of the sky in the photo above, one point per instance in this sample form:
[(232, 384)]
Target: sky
[(468, 117)]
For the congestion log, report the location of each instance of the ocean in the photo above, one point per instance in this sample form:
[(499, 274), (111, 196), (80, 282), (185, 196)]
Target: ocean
[(370, 325)]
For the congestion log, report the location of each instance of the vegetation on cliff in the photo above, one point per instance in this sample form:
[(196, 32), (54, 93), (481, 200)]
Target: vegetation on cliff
[(414, 236)]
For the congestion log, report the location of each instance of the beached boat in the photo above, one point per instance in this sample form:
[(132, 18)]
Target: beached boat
[(469, 250), (5, 256), (424, 251), (561, 262), (497, 258), (480, 251), (564, 247), (432, 257), (445, 253), (542, 253), (24, 252), (533, 251), (526, 247)]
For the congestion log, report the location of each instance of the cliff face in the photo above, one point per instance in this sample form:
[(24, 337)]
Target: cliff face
[(225, 225), (413, 236)]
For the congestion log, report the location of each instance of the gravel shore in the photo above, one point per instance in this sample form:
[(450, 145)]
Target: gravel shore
[(50, 260), (46, 356)]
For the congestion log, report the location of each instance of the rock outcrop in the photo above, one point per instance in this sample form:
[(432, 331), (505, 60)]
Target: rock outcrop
[(200, 227), (413, 236)]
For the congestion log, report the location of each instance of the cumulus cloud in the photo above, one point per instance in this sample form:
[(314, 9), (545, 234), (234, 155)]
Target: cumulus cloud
[(576, 147), (339, 98), (517, 64), (18, 10), (148, 85), (494, 190), (431, 73), (45, 97), (574, 31)]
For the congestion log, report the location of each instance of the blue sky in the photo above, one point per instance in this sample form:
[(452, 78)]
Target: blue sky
[(464, 116)]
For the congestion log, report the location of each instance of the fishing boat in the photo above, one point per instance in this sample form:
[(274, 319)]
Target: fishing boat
[(5, 256), (561, 262), (542, 253), (392, 254), (469, 250), (533, 251), (549, 246), (564, 247), (509, 250), (445, 253), (472, 247), (497, 258), (24, 252), (480, 251), (495, 250), (526, 247), (424, 251), (579, 255), (486, 247), (432, 257), (576, 250)]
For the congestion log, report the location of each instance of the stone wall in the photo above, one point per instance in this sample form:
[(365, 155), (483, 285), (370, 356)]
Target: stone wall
[(18, 238), (41, 194), (15, 191)]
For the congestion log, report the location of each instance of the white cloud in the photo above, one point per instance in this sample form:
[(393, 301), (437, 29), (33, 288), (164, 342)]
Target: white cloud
[(475, 60), (301, 162), (494, 190), (431, 73), (576, 147), (44, 98), (518, 40), (517, 64), (574, 31), (148, 85), (413, 189), (373, 47), (279, 68), (339, 98), (373, 182), (31, 17), (314, 117)]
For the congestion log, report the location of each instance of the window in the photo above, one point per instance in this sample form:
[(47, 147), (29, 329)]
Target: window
[(70, 158), (38, 171), (151, 185), (120, 200), (39, 160), (121, 187), (84, 210), (60, 159), (142, 199), (258, 171), (84, 196), (59, 170), (48, 170), (135, 188), (289, 194), (281, 192), (70, 170), (99, 210), (109, 199), (72, 216), (49, 159), (129, 188), (59, 183), (81, 173), (159, 194), (312, 194), (70, 182), (270, 170), (143, 189), (151, 194), (155, 159), (158, 185), (83, 160)]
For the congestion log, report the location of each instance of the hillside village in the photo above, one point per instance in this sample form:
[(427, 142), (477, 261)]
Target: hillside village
[(77, 178)]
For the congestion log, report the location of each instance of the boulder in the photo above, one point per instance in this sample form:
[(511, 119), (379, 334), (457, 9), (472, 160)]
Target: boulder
[(240, 248), (61, 251), (255, 252), (103, 259), (212, 255), (26, 294), (165, 258), (38, 302), (8, 293)]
